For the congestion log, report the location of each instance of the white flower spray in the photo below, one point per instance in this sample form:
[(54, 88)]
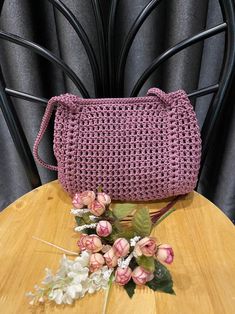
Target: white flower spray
[(71, 281)]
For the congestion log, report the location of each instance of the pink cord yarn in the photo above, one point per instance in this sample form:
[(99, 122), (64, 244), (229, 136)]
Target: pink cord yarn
[(137, 149)]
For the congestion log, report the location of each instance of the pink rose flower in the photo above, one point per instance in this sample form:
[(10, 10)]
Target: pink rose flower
[(147, 246), (165, 253), (82, 242), (87, 197), (96, 208), (122, 275), (140, 275), (104, 228), (91, 243), (103, 198), (96, 262), (77, 201), (121, 247), (110, 258)]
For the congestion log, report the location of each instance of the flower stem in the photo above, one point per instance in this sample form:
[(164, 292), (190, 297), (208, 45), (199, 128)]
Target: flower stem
[(165, 209), (56, 246), (107, 294), (164, 216)]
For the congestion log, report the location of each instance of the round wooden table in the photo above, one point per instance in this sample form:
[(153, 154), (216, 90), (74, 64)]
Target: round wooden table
[(203, 271)]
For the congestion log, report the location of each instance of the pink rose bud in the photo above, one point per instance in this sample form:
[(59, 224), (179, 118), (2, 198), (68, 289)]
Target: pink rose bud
[(96, 262), (82, 242), (110, 258), (103, 198), (87, 197), (140, 275), (121, 247), (77, 201), (106, 248), (122, 275), (96, 208), (92, 243), (165, 253), (104, 228), (147, 246)]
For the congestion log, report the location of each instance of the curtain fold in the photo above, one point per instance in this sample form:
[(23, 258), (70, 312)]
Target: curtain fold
[(171, 22)]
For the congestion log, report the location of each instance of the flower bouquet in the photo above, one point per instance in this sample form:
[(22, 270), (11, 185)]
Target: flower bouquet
[(112, 249)]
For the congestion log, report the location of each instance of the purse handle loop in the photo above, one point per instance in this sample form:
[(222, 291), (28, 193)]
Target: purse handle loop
[(45, 121), (159, 93)]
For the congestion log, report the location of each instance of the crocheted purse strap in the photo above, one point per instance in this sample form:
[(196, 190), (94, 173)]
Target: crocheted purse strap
[(45, 121), (63, 99)]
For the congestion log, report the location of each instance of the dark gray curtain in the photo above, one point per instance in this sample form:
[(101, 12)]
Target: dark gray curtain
[(171, 22)]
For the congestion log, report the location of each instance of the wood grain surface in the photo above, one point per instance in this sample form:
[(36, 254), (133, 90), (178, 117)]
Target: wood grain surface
[(203, 270)]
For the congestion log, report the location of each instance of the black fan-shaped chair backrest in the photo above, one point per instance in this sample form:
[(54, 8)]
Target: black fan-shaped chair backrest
[(109, 76)]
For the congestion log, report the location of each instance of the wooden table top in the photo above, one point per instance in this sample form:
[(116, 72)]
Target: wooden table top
[(203, 271)]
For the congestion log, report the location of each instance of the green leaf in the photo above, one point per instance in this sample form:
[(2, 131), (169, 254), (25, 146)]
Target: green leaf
[(109, 215), (88, 231), (123, 210), (142, 222), (146, 262), (130, 288), (162, 280), (79, 220), (86, 218), (126, 233)]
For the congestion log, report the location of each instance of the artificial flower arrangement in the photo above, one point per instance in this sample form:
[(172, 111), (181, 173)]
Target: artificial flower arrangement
[(111, 251)]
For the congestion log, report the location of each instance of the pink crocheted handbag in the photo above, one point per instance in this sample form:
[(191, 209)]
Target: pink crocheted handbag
[(137, 149)]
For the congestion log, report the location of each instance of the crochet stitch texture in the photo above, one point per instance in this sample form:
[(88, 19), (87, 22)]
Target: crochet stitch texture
[(137, 149)]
